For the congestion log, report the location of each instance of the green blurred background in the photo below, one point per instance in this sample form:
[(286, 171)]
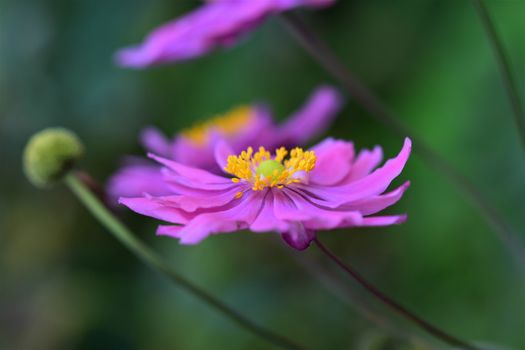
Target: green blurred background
[(66, 284)]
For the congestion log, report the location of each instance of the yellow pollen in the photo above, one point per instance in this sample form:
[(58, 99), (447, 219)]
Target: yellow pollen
[(227, 124), (274, 172)]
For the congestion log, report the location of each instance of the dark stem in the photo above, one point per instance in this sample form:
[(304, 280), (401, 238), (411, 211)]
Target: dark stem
[(378, 110), (504, 66), (400, 309), (156, 262), (347, 294)]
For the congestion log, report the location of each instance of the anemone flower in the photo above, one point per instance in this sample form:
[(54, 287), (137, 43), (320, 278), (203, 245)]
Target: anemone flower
[(217, 23), (239, 128), (294, 193)]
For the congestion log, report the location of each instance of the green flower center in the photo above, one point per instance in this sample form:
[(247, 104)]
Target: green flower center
[(269, 168)]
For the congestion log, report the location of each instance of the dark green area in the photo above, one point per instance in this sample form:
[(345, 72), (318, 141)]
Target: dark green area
[(66, 284)]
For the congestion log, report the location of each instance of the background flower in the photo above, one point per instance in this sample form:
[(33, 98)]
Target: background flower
[(217, 23), (238, 129)]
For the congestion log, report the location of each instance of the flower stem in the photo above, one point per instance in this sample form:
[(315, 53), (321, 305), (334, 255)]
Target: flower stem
[(400, 309), (150, 258), (348, 295), (378, 110), (504, 66)]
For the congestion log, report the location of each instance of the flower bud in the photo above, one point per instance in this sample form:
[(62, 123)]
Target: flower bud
[(50, 154)]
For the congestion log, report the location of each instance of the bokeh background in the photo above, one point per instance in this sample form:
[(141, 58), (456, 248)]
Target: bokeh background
[(66, 284)]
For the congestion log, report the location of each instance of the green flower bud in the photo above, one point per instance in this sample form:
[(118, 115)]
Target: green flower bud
[(50, 154)]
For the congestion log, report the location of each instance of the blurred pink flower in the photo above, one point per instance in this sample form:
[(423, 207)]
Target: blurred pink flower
[(217, 23), (293, 193), (239, 128)]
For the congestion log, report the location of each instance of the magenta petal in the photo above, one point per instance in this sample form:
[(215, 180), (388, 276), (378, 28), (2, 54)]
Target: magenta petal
[(189, 153), (191, 173), (183, 186), (288, 209), (364, 164), (370, 185), (380, 179), (334, 161), (298, 237), (136, 179), (229, 220), (291, 207), (206, 224), (222, 151), (375, 204), (157, 208), (191, 201), (313, 118), (154, 141), (260, 131), (169, 230), (266, 220), (384, 220)]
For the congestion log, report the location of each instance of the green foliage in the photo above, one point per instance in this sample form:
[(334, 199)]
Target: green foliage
[(65, 285)]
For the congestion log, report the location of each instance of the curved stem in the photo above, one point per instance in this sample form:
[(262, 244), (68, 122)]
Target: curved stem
[(149, 257), (378, 110), (504, 67), (400, 309), (348, 295)]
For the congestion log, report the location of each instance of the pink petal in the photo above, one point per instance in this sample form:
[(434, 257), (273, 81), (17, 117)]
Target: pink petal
[(384, 220), (229, 220), (298, 236), (157, 209), (216, 199), (169, 230), (189, 153), (181, 185), (155, 141), (291, 207), (370, 185), (222, 151), (260, 131), (334, 161), (136, 179), (196, 176), (366, 162), (266, 220), (376, 204), (312, 119)]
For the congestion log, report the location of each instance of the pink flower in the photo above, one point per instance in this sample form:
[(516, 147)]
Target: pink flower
[(239, 128), (215, 24), (293, 193)]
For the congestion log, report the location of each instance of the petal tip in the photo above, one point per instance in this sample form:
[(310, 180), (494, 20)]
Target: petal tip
[(401, 219), (408, 143)]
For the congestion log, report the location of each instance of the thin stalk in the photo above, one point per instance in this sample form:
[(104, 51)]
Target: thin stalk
[(400, 309), (350, 296), (504, 66), (379, 111), (150, 258)]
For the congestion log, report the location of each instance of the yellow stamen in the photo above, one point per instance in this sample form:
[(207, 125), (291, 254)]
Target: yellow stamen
[(262, 171), (227, 124)]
